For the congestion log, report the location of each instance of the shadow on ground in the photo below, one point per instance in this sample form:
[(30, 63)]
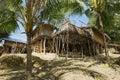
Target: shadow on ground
[(61, 69)]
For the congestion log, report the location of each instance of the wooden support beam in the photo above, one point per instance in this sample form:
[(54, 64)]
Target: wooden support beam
[(44, 45)]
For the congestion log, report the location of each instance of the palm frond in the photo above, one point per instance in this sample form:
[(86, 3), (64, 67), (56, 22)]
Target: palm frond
[(7, 21), (60, 9)]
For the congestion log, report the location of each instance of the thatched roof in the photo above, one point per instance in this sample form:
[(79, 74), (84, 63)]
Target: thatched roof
[(73, 33), (77, 33), (45, 30), (70, 28), (95, 34)]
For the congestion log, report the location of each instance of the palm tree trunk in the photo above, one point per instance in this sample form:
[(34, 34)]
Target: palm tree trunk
[(29, 58), (104, 38)]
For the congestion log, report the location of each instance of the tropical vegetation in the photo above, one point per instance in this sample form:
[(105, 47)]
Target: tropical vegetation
[(32, 13), (109, 16)]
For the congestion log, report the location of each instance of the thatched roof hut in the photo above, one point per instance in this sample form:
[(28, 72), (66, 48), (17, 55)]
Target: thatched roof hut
[(12, 45), (95, 34), (42, 40), (69, 38), (71, 32), (85, 40), (45, 30)]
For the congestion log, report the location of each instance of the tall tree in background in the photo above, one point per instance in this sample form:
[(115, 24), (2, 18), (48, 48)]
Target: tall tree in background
[(98, 6), (109, 18)]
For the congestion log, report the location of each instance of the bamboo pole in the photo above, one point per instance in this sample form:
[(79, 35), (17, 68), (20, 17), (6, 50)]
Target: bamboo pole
[(56, 45), (41, 45), (82, 51), (59, 46), (44, 46), (67, 44), (89, 42), (53, 50)]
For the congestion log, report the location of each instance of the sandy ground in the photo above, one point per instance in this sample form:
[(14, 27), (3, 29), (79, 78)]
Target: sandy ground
[(72, 69)]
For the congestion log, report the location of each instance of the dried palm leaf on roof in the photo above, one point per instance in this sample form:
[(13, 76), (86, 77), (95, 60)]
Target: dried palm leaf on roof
[(44, 30), (69, 28)]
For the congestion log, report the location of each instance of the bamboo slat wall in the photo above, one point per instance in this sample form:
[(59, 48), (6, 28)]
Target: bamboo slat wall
[(14, 47), (38, 46)]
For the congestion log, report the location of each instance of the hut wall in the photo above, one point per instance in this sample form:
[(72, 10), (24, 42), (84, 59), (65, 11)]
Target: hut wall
[(11, 43), (13, 47), (38, 46)]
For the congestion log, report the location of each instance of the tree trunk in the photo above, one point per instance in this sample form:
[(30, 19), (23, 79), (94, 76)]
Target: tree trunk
[(104, 38), (29, 58)]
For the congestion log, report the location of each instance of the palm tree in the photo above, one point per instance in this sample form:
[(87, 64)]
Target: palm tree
[(101, 14), (109, 18), (98, 6), (38, 11), (32, 13)]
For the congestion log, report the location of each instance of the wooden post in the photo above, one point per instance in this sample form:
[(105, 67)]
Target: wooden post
[(59, 46), (41, 42), (53, 45), (56, 45), (44, 45), (41, 45), (89, 46), (67, 44)]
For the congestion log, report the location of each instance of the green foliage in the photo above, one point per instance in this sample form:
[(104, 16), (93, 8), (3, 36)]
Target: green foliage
[(109, 18), (8, 21), (114, 29), (10, 4), (58, 10), (51, 11)]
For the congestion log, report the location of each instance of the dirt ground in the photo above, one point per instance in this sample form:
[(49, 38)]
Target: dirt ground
[(88, 68)]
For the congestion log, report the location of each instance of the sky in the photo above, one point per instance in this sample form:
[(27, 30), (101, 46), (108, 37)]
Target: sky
[(75, 19)]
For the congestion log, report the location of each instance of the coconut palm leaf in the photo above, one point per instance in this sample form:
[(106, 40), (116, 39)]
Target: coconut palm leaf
[(32, 13), (7, 22), (62, 9)]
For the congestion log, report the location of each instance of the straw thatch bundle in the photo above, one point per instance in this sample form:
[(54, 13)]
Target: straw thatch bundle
[(45, 30), (69, 31)]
